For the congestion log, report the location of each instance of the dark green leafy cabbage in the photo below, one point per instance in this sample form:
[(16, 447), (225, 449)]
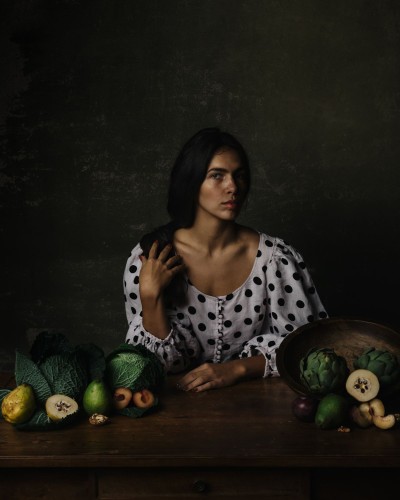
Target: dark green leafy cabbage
[(28, 372), (135, 367), (65, 374)]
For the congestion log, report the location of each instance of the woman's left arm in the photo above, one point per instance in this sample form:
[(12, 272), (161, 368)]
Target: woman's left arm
[(213, 376)]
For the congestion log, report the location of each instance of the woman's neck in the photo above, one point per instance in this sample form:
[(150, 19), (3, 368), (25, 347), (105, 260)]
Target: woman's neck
[(210, 238)]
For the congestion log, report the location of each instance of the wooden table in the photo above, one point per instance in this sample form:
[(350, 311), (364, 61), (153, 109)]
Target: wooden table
[(239, 442)]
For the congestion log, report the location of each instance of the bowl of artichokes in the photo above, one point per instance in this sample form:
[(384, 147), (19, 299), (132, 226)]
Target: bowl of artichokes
[(317, 357)]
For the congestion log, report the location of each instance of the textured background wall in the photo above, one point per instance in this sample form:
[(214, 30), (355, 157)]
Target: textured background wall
[(97, 97)]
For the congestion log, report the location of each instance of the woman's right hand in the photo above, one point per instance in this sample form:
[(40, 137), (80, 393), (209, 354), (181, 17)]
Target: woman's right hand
[(157, 272)]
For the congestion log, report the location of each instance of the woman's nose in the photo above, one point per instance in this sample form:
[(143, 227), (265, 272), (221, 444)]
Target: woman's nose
[(232, 185)]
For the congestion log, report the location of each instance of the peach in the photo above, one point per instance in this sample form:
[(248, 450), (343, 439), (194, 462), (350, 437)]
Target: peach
[(122, 397), (143, 398)]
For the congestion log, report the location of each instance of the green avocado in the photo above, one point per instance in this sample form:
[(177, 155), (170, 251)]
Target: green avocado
[(332, 411)]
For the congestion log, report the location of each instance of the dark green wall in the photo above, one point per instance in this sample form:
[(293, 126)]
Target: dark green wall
[(97, 97)]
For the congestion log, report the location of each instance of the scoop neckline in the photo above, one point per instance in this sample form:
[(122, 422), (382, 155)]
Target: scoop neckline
[(220, 297)]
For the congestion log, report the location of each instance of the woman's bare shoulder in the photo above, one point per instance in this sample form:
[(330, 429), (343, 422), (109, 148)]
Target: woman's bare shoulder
[(249, 235)]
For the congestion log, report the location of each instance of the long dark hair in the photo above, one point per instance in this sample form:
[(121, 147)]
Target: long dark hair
[(187, 175)]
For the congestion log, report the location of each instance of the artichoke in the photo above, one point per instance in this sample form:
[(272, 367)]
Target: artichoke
[(323, 371), (383, 364)]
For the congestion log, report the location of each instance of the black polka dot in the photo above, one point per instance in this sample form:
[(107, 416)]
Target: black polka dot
[(276, 329), (260, 317), (191, 310), (133, 310), (288, 289), (211, 342), (257, 280), (211, 315), (291, 317), (227, 323), (284, 261), (135, 338), (264, 268), (133, 269), (310, 318), (180, 316), (271, 343), (269, 243), (237, 335), (259, 253), (133, 296), (302, 265), (136, 280), (229, 296), (248, 293), (202, 327), (238, 308), (260, 339), (271, 329), (201, 298), (226, 347), (289, 328), (296, 276), (281, 302), (257, 309), (322, 314), (274, 315), (300, 304), (278, 274), (271, 286), (248, 321)]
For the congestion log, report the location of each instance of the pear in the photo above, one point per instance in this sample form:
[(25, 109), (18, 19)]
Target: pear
[(19, 405), (97, 398), (60, 406)]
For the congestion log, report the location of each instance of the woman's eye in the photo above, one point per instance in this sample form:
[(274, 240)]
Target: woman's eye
[(216, 176)]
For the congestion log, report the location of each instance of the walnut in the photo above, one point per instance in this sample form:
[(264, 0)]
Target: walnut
[(98, 419)]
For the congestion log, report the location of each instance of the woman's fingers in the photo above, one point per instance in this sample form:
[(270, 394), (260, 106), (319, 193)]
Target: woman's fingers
[(163, 256), (153, 250), (173, 261)]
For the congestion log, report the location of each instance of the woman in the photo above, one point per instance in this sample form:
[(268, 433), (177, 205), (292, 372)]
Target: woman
[(205, 294)]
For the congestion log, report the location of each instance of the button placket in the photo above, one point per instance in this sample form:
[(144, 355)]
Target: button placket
[(220, 315)]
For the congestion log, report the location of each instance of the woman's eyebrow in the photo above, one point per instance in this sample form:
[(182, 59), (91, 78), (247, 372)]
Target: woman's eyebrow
[(217, 169), (221, 169)]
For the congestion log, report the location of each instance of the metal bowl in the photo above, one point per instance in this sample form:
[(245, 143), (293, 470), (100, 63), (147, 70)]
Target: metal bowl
[(348, 337)]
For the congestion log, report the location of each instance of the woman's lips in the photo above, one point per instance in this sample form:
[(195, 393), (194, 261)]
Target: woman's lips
[(231, 204)]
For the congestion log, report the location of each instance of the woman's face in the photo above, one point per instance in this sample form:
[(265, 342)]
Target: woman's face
[(225, 186)]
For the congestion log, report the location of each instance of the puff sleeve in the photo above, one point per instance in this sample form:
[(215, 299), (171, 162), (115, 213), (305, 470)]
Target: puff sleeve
[(291, 301), (180, 348)]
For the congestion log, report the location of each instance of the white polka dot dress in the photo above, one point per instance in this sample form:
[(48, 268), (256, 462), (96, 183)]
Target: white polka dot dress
[(277, 297)]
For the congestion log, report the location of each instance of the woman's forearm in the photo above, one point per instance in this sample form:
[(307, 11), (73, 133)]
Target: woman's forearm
[(155, 318), (252, 367)]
